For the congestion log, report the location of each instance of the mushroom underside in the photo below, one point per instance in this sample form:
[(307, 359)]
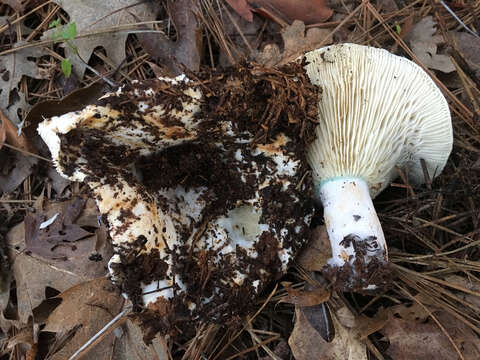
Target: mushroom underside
[(378, 111)]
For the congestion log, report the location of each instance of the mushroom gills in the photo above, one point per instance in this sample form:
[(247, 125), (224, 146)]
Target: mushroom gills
[(378, 111)]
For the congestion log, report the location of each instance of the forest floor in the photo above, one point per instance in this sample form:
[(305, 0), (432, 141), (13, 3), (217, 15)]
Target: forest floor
[(55, 296)]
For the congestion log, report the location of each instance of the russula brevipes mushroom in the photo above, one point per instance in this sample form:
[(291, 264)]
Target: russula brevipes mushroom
[(377, 111), (201, 217)]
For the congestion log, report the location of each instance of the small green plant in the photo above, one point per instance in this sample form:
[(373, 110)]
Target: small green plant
[(67, 34), (398, 29)]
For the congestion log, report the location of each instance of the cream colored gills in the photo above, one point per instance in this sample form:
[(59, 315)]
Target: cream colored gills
[(377, 111)]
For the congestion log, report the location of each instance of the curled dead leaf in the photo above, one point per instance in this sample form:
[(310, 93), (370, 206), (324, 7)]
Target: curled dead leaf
[(305, 298)]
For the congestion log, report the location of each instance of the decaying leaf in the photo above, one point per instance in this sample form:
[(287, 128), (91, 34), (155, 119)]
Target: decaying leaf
[(469, 47), (10, 134), (42, 237), (130, 346), (422, 340), (92, 305), (243, 45), (186, 50), (33, 272), (12, 67), (307, 11), (59, 183), (74, 101), (424, 44), (15, 167), (467, 284), (242, 8), (306, 343), (319, 251), (296, 41), (92, 15), (14, 4), (305, 298), (387, 5)]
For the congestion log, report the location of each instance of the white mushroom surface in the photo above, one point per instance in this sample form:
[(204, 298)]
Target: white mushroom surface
[(200, 217), (377, 111)]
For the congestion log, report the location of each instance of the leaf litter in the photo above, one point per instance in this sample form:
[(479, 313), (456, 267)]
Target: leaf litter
[(92, 16), (390, 324)]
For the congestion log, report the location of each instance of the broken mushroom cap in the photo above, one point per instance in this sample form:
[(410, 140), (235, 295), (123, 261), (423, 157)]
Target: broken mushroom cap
[(189, 245), (377, 111)]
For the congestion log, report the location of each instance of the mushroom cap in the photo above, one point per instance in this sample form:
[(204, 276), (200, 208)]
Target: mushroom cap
[(377, 111), (190, 245)]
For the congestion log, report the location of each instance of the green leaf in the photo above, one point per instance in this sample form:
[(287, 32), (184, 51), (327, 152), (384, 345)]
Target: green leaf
[(398, 29), (54, 23), (66, 67), (70, 31)]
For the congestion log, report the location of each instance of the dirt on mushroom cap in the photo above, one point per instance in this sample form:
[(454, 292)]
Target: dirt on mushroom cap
[(263, 103)]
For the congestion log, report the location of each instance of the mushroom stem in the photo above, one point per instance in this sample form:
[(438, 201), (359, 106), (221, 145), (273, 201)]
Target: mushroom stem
[(354, 229)]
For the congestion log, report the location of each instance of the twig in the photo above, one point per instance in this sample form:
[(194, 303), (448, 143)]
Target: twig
[(457, 18), (99, 336), (25, 152)]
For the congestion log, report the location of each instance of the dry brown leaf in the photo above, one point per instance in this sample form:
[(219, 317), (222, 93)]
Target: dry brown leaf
[(92, 305), (12, 67), (232, 26), (305, 298), (413, 312), (11, 135), (306, 343), (93, 15), (24, 336), (296, 42), (307, 11), (424, 44), (157, 70), (387, 5), (34, 273), (14, 4), (470, 284), (131, 346), (16, 167), (59, 183), (469, 47), (318, 251), (242, 8), (419, 340), (58, 234), (187, 49)]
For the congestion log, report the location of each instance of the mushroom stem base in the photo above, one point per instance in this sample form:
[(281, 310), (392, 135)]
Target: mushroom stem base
[(359, 251)]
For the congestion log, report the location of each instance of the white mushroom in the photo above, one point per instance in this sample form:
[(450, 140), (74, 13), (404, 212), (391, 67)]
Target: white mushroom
[(186, 250), (377, 111)]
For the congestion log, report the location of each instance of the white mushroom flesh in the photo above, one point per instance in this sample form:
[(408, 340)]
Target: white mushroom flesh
[(170, 224)]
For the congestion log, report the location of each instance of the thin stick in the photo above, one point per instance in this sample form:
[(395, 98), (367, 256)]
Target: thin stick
[(99, 336), (25, 152)]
